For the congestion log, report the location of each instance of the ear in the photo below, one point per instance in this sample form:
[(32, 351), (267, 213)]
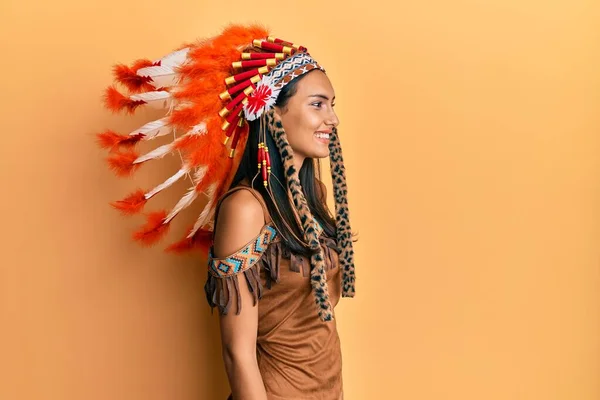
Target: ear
[(277, 110)]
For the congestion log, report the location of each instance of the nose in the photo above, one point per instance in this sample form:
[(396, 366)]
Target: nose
[(332, 119)]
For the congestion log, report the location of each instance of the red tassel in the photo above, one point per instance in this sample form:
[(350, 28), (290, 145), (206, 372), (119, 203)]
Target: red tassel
[(230, 130), (268, 157), (286, 43), (261, 155), (277, 48), (227, 95), (270, 62), (154, 230), (264, 173), (236, 138), (116, 102), (237, 99), (232, 118), (112, 140), (131, 204), (260, 56), (122, 162), (242, 76)]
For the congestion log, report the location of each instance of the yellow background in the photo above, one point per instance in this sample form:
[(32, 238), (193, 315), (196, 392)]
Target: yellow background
[(470, 131)]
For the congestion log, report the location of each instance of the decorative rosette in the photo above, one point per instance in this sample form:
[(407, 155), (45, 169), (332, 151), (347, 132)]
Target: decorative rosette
[(261, 99)]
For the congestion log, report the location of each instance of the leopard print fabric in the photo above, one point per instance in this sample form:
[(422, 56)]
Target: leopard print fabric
[(318, 279), (342, 216)]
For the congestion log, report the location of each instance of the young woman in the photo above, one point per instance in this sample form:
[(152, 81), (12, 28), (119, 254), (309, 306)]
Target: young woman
[(251, 117), (279, 349)]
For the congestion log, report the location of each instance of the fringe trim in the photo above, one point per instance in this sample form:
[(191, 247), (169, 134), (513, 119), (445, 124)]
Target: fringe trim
[(220, 292)]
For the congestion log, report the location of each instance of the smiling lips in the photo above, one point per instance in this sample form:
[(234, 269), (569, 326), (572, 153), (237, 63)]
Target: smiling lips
[(323, 136)]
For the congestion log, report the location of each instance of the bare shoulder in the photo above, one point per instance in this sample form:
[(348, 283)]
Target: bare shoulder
[(241, 219)]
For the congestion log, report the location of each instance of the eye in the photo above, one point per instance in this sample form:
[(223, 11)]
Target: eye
[(317, 104)]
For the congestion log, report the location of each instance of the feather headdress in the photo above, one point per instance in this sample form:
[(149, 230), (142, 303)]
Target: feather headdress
[(209, 90)]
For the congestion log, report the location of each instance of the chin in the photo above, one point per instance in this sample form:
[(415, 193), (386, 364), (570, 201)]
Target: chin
[(320, 154)]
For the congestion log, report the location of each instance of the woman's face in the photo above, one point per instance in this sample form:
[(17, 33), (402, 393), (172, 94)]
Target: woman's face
[(308, 117)]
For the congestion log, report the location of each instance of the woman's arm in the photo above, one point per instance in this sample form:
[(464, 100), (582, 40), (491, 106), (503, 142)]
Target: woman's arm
[(240, 220)]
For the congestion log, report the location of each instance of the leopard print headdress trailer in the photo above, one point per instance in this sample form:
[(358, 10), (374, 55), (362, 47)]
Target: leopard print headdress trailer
[(209, 90)]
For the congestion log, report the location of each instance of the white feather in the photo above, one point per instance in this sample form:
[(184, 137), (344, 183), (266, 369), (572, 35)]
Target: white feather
[(190, 196), (158, 99), (154, 129), (167, 183), (175, 58), (200, 173), (159, 152), (184, 202), (161, 76), (207, 212), (199, 129)]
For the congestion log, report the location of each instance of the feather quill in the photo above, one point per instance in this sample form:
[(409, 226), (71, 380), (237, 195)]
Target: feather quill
[(157, 99), (206, 211), (153, 129), (167, 183), (183, 203), (159, 77)]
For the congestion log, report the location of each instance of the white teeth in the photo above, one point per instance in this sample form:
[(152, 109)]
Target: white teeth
[(322, 135)]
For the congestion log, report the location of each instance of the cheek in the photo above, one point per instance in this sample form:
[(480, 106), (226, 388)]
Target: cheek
[(301, 125)]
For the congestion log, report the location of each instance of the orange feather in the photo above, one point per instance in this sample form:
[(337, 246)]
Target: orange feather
[(202, 241), (190, 142), (236, 34), (190, 116), (198, 68), (115, 101), (131, 204), (154, 230), (128, 77), (207, 88), (111, 140), (122, 162), (213, 147)]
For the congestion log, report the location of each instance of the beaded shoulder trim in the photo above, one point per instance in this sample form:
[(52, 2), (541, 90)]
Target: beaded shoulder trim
[(244, 258)]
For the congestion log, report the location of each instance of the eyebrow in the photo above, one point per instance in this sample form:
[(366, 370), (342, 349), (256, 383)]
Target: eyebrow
[(322, 96)]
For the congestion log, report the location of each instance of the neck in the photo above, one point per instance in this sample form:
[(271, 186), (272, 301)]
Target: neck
[(298, 161)]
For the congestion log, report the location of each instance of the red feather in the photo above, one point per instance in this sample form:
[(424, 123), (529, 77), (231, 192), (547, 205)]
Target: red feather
[(122, 162), (115, 101), (154, 230), (131, 204), (111, 140)]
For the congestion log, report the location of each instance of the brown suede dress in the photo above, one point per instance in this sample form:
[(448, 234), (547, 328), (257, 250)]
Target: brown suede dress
[(299, 356)]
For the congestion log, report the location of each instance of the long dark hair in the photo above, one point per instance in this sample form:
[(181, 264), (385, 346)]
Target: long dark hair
[(309, 175)]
